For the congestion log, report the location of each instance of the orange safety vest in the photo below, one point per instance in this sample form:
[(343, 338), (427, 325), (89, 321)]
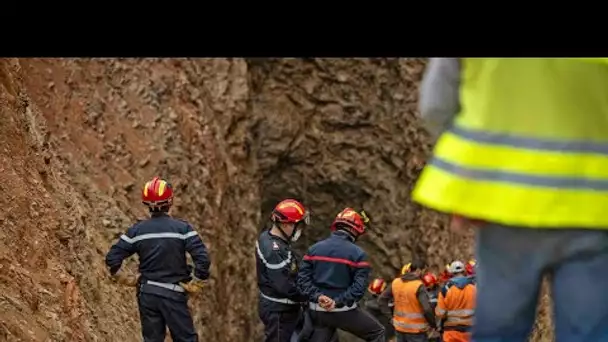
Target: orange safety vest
[(457, 305), (408, 315)]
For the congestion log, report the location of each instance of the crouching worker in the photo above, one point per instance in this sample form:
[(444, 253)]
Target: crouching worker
[(375, 289), (334, 274), (413, 316), (161, 242), (277, 269), (456, 305)]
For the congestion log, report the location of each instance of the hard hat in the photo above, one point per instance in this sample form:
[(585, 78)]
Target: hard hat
[(456, 267), (290, 211), (429, 279), (406, 268), (377, 286), (157, 193), (444, 276), (470, 267), (350, 219)]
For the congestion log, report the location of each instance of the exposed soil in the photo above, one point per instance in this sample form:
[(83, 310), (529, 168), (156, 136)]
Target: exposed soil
[(79, 137)]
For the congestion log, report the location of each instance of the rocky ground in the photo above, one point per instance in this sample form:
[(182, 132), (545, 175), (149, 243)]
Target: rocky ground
[(78, 138)]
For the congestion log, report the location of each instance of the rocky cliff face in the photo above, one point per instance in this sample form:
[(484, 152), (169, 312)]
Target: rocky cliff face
[(78, 138)]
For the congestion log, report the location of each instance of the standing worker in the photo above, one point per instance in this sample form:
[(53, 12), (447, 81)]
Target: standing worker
[(375, 289), (161, 242), (523, 153), (413, 316), (334, 275), (277, 269), (431, 283), (456, 305)]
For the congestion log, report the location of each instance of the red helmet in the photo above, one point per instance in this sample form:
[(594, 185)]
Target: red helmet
[(377, 286), (429, 280), (157, 193), (290, 211), (471, 266), (353, 220), (444, 276)]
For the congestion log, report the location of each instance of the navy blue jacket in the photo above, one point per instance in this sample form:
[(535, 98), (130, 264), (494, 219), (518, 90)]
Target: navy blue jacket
[(277, 269), (161, 243), (337, 268)]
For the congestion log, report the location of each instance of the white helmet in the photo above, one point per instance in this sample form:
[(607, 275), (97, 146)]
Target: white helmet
[(456, 266)]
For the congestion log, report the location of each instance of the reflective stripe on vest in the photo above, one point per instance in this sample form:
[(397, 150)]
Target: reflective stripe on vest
[(408, 315), (530, 147), (459, 317)]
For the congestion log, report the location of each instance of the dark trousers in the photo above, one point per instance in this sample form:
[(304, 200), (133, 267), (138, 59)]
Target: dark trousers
[(404, 337), (279, 326), (357, 322), (156, 313)]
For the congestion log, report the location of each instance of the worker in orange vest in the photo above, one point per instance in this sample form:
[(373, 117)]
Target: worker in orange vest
[(456, 305), (413, 316)]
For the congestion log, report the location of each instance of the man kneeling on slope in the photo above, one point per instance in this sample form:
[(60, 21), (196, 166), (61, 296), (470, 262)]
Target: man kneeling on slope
[(334, 275)]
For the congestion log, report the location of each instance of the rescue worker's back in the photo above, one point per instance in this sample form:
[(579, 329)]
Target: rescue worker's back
[(527, 134), (161, 242), (340, 268), (161, 259), (334, 275), (523, 153), (456, 307)]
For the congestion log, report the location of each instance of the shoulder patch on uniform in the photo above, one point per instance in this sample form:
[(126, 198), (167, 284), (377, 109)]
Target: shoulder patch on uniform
[(275, 246)]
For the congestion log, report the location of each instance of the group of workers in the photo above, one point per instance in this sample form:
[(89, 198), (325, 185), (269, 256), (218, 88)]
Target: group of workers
[(309, 300), (521, 155), (300, 299), (434, 307)]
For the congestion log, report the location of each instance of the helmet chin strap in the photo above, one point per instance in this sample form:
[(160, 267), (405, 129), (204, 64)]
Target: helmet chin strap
[(349, 234), (287, 237)]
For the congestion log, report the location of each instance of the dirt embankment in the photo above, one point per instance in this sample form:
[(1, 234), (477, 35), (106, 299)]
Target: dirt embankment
[(78, 138)]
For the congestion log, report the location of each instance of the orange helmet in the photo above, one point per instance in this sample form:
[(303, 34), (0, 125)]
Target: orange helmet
[(377, 286), (355, 222), (429, 279), (470, 267), (290, 211), (157, 193)]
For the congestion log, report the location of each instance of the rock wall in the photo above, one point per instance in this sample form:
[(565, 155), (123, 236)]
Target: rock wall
[(79, 137)]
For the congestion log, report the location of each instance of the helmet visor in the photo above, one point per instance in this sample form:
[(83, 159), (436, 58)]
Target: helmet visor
[(306, 218)]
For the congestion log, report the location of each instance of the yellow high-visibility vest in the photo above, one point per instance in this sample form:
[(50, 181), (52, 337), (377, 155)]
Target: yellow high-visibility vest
[(529, 146)]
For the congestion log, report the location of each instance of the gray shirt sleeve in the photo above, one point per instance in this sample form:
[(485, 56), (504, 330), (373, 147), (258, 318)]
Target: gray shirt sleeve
[(440, 94)]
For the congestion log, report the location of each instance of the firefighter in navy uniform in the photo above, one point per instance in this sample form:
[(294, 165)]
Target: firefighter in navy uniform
[(334, 275), (277, 268), (161, 242)]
